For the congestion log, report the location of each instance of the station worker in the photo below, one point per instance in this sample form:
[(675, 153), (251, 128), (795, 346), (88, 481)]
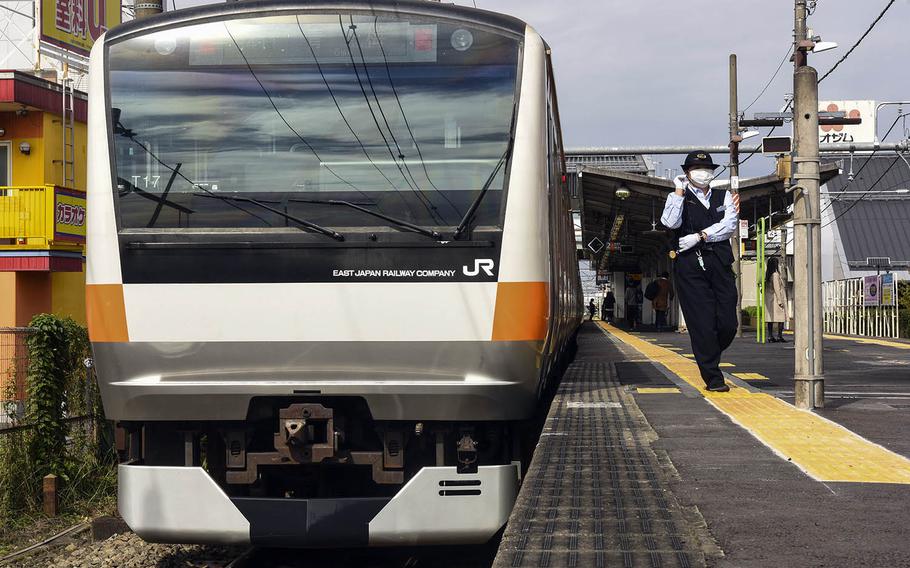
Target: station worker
[(704, 220)]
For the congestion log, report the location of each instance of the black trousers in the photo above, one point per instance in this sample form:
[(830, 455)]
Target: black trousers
[(708, 301), (660, 318)]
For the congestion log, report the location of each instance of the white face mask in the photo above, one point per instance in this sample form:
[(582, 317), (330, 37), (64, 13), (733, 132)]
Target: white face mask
[(701, 176)]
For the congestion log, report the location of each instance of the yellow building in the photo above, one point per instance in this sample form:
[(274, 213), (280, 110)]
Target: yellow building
[(42, 200)]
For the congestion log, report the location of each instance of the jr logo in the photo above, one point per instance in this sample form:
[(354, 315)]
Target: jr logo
[(485, 264)]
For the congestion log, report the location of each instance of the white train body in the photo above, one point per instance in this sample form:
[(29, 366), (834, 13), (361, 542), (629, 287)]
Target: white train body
[(334, 369)]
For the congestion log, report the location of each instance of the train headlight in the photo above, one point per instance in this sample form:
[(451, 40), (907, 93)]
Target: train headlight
[(462, 40), (165, 45)]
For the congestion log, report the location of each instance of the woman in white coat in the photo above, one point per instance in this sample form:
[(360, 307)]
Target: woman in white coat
[(775, 301)]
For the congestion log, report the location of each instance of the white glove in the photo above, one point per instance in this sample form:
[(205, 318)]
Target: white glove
[(687, 242), (679, 182)]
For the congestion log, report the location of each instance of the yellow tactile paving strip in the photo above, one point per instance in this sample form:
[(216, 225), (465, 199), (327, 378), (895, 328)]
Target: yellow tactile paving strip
[(867, 340), (751, 376), (657, 390), (824, 450)]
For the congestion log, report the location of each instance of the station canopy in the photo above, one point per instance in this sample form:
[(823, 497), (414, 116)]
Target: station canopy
[(629, 227)]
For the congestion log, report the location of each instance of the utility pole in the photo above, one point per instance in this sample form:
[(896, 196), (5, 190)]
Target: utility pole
[(735, 139), (146, 8), (809, 387)]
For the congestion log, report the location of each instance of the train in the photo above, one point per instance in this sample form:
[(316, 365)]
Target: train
[(331, 268)]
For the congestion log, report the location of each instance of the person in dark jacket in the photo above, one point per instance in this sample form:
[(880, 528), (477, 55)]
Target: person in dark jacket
[(608, 307), (704, 219), (591, 309)]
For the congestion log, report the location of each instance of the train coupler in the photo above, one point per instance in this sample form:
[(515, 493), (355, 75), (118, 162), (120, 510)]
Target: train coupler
[(466, 452), (307, 435)]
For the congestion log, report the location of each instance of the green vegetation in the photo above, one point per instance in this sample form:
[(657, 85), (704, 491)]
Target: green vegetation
[(61, 432)]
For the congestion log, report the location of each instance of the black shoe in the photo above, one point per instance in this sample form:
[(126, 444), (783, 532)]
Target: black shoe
[(772, 340), (718, 388), (781, 340)]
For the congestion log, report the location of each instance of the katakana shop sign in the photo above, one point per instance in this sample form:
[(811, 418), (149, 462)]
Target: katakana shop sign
[(848, 133), (74, 25)]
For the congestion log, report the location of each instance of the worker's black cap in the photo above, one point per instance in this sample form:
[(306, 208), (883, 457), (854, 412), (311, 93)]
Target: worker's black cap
[(699, 159)]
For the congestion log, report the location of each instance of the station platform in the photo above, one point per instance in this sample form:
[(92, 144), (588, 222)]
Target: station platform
[(638, 465)]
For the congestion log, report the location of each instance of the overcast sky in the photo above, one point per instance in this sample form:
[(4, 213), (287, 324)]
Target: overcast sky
[(649, 72), (654, 72)]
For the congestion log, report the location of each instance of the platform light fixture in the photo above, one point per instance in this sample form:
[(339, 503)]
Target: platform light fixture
[(623, 192), (25, 148)]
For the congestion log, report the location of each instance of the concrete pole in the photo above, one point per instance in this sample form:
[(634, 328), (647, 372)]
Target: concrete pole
[(735, 139), (146, 8), (809, 379)]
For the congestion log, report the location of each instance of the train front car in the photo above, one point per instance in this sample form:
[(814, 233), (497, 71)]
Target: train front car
[(329, 268)]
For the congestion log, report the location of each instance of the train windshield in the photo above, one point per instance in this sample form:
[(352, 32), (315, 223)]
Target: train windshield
[(248, 123)]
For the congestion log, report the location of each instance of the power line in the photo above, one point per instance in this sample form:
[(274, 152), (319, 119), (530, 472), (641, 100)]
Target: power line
[(862, 37), (863, 196), (771, 80), (281, 116), (385, 120), (338, 106), (366, 98), (866, 163), (405, 116)]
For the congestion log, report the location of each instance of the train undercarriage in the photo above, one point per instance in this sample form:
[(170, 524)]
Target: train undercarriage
[(321, 472)]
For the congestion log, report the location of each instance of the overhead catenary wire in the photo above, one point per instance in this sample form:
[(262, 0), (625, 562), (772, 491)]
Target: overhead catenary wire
[(866, 163), (366, 97), (860, 40), (283, 119), (405, 116), (401, 155), (771, 80), (341, 112), (865, 194)]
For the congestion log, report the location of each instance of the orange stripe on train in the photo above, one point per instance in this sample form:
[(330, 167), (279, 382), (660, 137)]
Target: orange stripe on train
[(106, 313), (522, 311)]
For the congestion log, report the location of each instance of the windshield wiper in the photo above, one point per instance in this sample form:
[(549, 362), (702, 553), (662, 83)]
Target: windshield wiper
[(393, 220), (309, 225), (483, 191), (160, 199)]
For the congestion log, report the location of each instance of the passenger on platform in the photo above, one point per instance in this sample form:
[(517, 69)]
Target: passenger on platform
[(661, 301), (631, 301), (704, 220), (775, 301), (608, 307), (591, 309)]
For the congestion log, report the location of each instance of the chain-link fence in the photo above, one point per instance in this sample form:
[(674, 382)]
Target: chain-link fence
[(51, 420), (13, 372)]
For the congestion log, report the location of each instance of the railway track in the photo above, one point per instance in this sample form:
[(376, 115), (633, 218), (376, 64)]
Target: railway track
[(410, 557)]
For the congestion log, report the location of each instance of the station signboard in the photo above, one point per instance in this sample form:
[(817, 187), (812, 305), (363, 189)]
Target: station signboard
[(74, 25)]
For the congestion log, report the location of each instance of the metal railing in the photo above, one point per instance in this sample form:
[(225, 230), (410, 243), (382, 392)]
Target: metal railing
[(13, 373), (41, 216), (845, 312)]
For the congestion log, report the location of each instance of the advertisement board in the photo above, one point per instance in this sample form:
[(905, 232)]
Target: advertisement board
[(887, 291), (69, 215), (74, 25), (871, 290), (848, 134)]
